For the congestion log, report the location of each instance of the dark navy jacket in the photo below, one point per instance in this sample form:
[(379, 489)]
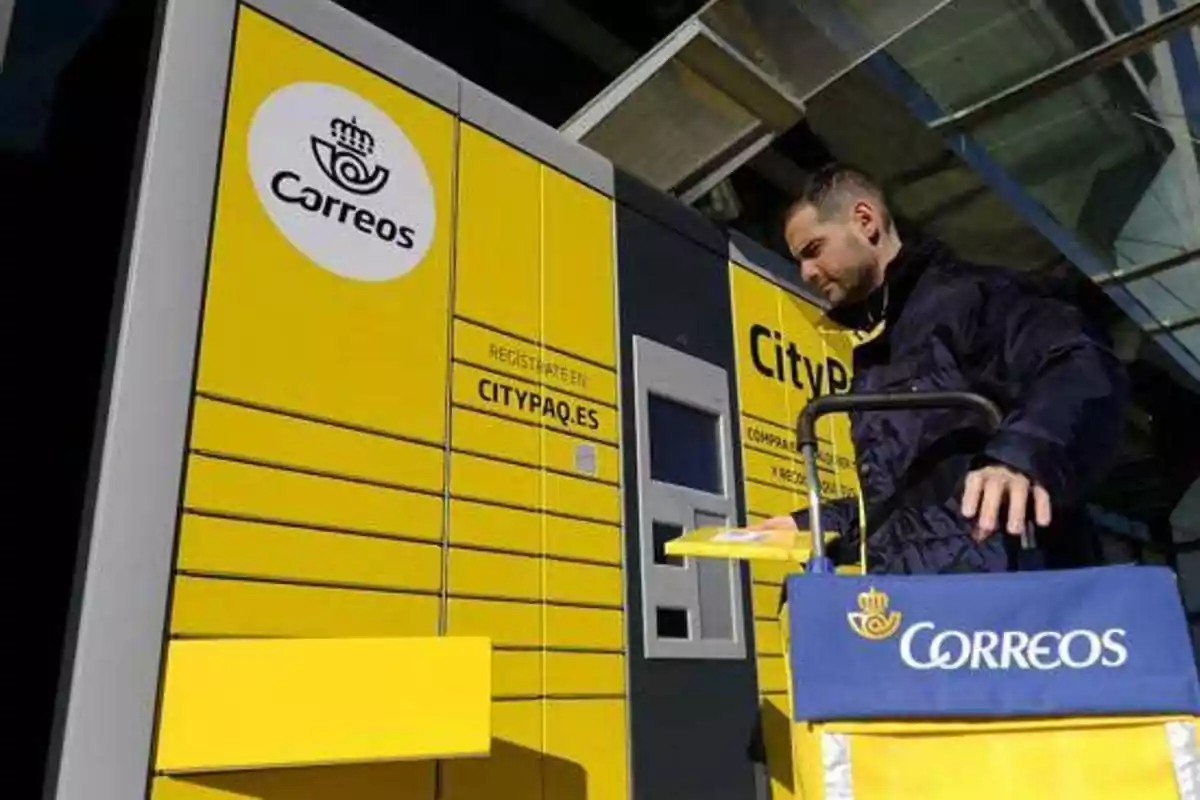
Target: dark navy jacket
[(942, 324)]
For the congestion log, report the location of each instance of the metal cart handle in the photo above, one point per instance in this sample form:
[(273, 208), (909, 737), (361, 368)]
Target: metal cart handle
[(806, 438)]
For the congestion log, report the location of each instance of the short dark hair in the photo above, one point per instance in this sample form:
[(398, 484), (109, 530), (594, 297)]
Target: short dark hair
[(831, 188)]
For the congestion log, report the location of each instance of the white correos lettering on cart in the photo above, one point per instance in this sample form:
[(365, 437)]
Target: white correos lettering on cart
[(923, 646)]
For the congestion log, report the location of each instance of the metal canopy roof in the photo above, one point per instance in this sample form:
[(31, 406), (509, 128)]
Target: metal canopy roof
[(1030, 133), (724, 85), (686, 114)]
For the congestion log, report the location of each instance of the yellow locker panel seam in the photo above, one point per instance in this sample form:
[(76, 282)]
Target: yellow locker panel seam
[(476, 435), (314, 473), (256, 605), (591, 562), (514, 648), (311, 584), (527, 423), (527, 340), (580, 576), (528, 601), (308, 526), (368, 780), (518, 463), (185, 637), (517, 507), (304, 416), (448, 429), (543, 610), (505, 576)]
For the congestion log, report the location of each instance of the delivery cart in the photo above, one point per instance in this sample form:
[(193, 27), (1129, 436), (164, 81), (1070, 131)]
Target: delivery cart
[(1030, 684)]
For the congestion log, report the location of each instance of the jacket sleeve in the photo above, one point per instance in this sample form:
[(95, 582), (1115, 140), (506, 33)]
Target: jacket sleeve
[(1068, 391), (841, 516)]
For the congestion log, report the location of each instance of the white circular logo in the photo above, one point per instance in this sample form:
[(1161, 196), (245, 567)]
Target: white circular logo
[(341, 181)]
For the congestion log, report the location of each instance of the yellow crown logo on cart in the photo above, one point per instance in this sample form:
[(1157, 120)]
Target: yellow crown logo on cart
[(873, 620)]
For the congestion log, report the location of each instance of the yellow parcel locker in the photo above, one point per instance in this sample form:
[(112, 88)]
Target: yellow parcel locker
[(761, 362), (231, 488), (586, 748), (826, 358), (402, 780), (210, 607), (227, 548), (579, 303), (583, 540), (513, 771), (236, 431), (484, 525), (498, 258), (573, 455), (328, 290)]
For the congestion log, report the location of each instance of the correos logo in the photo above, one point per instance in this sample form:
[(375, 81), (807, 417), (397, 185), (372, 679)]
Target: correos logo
[(922, 646), (341, 181)]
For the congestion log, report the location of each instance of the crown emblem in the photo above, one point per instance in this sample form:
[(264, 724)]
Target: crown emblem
[(873, 620), (351, 136), (345, 159)]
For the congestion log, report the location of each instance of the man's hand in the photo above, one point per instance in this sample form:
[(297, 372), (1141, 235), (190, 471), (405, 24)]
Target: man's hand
[(781, 523), (989, 488)]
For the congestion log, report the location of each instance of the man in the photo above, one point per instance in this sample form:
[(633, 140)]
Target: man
[(937, 487)]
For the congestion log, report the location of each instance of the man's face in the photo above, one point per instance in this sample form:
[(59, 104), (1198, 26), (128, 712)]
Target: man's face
[(836, 255)]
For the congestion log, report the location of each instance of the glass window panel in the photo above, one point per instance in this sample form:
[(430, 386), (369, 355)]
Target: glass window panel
[(1158, 299), (1190, 339), (684, 446), (1183, 282), (1110, 159), (969, 51), (806, 45)]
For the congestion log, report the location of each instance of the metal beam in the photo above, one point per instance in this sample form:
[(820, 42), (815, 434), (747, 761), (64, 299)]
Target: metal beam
[(1148, 270), (1176, 325), (1070, 71)]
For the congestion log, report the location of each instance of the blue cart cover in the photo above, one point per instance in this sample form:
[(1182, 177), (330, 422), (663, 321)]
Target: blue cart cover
[(1088, 642)]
